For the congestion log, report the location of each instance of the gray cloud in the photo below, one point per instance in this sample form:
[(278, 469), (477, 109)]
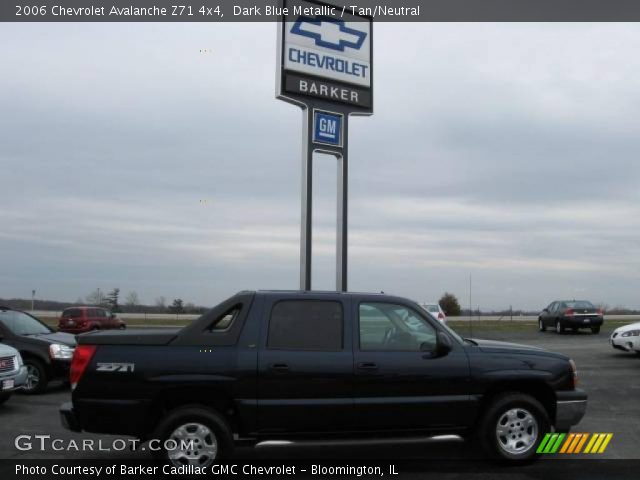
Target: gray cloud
[(506, 151)]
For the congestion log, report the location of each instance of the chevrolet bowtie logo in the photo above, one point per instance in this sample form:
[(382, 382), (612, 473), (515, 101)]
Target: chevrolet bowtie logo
[(329, 32)]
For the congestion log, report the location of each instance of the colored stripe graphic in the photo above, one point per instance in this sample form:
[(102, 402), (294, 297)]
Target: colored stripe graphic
[(605, 443), (573, 443), (593, 440), (582, 442), (567, 442), (543, 443), (556, 445), (579, 438), (550, 443)]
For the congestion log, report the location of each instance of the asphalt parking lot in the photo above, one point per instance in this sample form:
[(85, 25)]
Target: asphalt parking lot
[(609, 376)]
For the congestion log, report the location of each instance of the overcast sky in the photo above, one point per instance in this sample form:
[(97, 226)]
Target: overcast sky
[(508, 152)]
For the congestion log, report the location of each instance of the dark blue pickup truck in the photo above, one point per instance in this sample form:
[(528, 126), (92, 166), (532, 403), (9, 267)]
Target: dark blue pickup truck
[(283, 365)]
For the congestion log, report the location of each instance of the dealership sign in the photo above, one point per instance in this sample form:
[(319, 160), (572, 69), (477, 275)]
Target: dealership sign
[(325, 54), (325, 66)]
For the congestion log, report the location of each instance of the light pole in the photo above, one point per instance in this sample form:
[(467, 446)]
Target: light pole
[(33, 299)]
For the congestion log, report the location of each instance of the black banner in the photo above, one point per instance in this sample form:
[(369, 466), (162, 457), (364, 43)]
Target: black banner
[(271, 10), (547, 469)]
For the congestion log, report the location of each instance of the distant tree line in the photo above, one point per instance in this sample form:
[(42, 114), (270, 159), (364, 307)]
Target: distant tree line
[(112, 301)]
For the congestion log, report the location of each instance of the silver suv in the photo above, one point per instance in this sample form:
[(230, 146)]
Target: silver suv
[(13, 373)]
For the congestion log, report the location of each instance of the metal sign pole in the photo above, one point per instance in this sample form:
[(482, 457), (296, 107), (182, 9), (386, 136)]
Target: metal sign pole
[(325, 66), (343, 212), (307, 200)]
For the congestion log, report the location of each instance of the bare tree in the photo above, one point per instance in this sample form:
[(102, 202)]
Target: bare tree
[(132, 299), (161, 302), (95, 297)]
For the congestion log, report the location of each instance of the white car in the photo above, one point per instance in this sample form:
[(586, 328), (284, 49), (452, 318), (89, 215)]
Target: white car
[(626, 338), (436, 310)]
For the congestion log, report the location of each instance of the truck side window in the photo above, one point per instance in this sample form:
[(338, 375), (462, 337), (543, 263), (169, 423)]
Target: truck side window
[(224, 321), (394, 328), (306, 325)]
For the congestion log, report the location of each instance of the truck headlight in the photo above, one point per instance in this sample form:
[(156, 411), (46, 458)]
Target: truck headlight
[(60, 352), (630, 333)]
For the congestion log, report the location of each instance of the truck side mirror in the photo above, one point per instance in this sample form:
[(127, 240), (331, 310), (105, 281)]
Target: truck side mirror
[(444, 344)]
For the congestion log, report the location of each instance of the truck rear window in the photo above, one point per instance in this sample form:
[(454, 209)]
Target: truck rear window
[(72, 313), (224, 321), (306, 325)]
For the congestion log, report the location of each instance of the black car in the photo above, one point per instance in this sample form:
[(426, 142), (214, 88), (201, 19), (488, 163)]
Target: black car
[(574, 314), (283, 365), (47, 354)]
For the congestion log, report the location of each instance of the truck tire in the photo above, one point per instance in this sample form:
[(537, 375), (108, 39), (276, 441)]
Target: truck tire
[(595, 330), (512, 427), (37, 378), (4, 397), (202, 436)]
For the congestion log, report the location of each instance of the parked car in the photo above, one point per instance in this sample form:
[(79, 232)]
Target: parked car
[(573, 314), (13, 373), (435, 309), (46, 354), (626, 338), (85, 319), (282, 365)]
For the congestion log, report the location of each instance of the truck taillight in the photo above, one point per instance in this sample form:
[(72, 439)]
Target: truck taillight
[(574, 373), (569, 312), (440, 316), (81, 358), (601, 312)]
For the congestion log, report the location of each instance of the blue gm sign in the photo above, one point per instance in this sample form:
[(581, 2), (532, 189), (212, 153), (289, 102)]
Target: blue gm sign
[(327, 128)]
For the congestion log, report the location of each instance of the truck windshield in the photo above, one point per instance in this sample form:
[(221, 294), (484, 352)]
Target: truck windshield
[(22, 324), (451, 332)]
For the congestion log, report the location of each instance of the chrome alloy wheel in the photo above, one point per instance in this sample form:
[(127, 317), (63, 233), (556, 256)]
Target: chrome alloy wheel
[(195, 444), (517, 431), (33, 378)]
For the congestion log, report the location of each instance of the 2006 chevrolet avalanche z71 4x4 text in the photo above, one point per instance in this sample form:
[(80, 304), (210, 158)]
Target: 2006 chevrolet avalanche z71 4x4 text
[(274, 365)]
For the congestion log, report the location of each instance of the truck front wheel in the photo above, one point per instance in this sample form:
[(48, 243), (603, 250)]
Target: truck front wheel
[(192, 435), (513, 426)]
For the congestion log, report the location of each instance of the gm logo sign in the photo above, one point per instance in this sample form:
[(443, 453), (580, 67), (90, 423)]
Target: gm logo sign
[(327, 128), (329, 32)]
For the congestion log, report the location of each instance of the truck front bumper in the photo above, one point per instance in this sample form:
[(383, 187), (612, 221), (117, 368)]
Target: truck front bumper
[(68, 417), (570, 408), (18, 378)]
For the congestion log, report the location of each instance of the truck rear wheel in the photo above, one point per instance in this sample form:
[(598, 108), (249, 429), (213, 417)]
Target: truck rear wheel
[(513, 426), (193, 435)]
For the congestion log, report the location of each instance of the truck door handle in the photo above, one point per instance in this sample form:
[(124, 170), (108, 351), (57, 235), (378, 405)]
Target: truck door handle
[(368, 366), (280, 367)]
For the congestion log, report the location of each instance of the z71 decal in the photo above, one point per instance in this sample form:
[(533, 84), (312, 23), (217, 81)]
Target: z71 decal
[(115, 367)]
